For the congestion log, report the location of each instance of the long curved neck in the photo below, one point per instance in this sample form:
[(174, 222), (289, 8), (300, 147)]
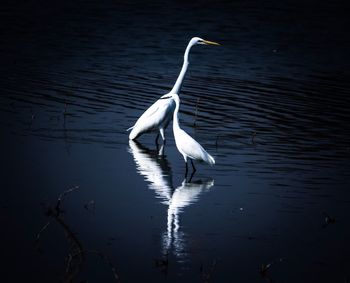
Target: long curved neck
[(176, 125), (178, 84)]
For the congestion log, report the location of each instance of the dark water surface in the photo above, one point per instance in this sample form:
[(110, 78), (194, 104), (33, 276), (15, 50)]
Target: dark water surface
[(271, 105)]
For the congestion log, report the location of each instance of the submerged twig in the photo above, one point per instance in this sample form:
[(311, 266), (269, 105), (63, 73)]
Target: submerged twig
[(65, 109), (328, 220), (216, 141), (61, 196), (76, 257), (253, 137), (42, 230), (196, 113), (265, 267), (102, 256), (32, 117), (66, 102)]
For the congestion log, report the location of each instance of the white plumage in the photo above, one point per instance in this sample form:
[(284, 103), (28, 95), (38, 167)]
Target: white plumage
[(188, 146), (156, 117), (159, 114)]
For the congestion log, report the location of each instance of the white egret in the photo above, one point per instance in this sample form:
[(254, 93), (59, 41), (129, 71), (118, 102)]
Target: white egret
[(158, 115), (188, 147)]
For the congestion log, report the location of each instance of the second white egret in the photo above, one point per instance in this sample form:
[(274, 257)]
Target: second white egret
[(188, 147)]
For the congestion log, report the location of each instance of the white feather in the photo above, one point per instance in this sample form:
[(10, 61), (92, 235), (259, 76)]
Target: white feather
[(157, 116), (188, 146)]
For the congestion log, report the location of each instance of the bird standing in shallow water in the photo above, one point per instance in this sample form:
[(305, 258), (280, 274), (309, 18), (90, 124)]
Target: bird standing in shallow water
[(188, 147), (158, 115)]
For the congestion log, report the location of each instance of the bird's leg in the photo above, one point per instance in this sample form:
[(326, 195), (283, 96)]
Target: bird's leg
[(194, 168), (157, 137), (186, 169), (190, 179), (161, 130)]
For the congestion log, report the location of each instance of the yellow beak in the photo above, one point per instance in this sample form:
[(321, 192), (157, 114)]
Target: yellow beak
[(210, 42)]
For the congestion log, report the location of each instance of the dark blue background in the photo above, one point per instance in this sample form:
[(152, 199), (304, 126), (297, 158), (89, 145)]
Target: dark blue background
[(273, 109)]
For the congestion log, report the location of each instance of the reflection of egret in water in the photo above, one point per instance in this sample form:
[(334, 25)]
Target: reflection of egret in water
[(157, 172), (183, 196), (155, 168)]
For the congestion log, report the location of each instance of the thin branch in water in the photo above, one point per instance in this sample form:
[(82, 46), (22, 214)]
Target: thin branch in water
[(253, 137), (102, 256), (76, 257), (61, 196), (66, 102), (69, 261), (65, 108), (196, 113), (109, 262), (42, 230), (216, 141), (328, 220), (265, 267)]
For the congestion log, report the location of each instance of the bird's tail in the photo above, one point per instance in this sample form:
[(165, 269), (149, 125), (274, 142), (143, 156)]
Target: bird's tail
[(130, 128), (210, 159), (135, 132)]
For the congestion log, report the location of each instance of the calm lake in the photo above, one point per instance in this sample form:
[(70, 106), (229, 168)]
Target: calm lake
[(80, 203)]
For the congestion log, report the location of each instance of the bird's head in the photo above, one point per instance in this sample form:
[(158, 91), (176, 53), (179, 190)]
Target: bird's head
[(198, 40)]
